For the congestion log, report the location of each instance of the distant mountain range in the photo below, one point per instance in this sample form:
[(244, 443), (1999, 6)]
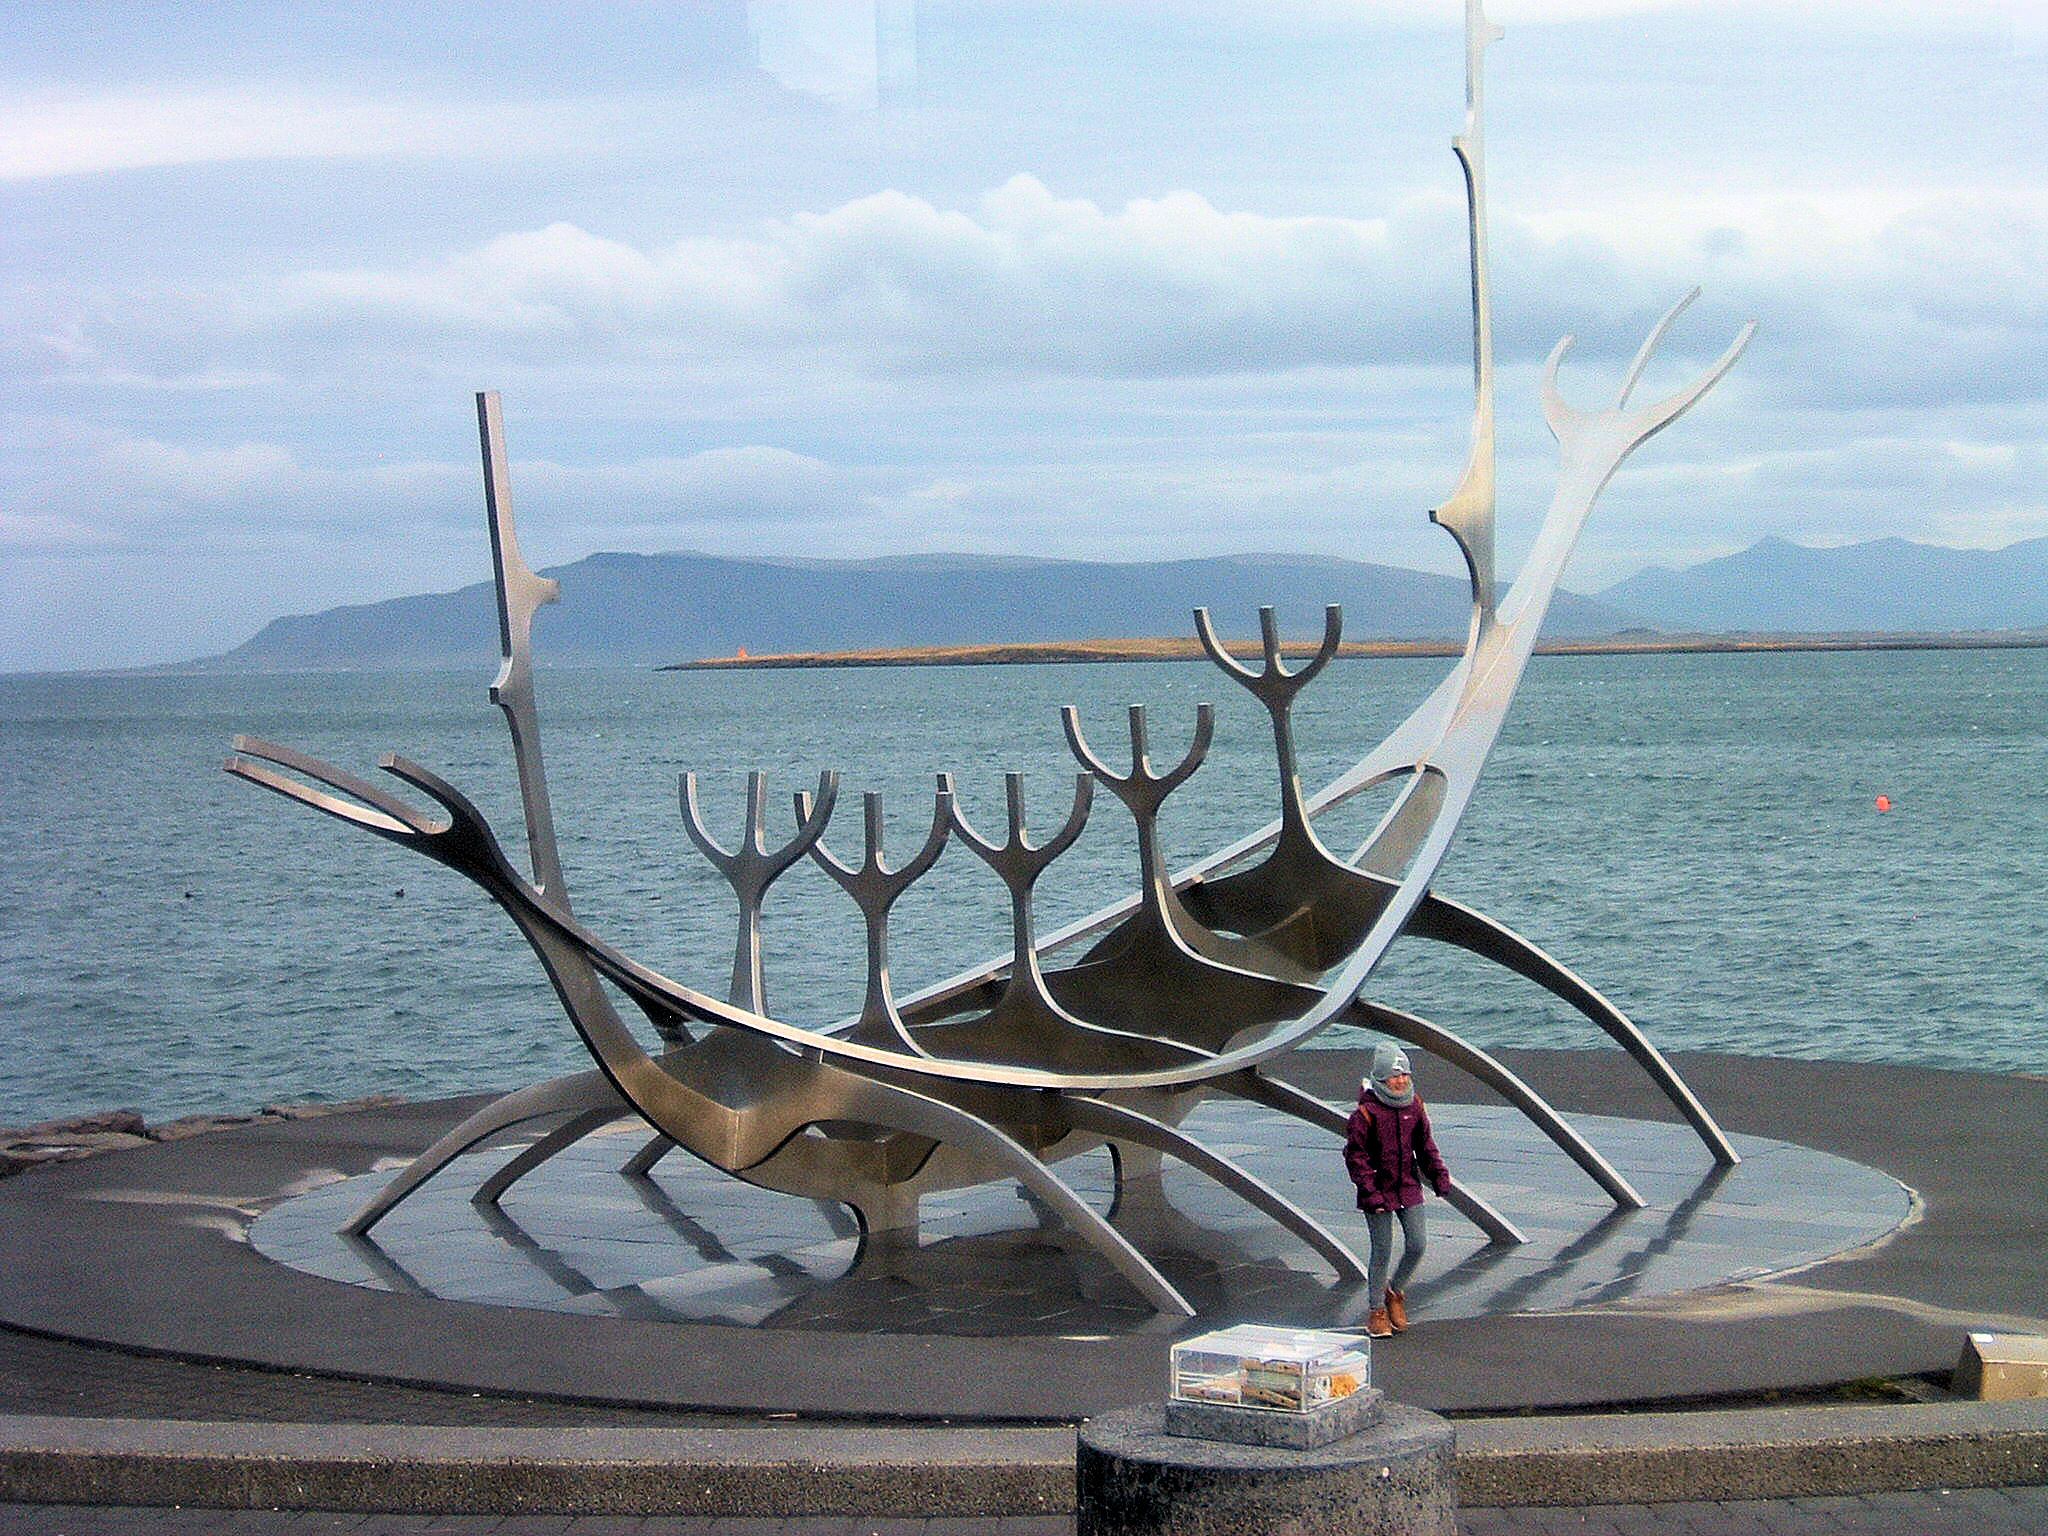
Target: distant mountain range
[(647, 610), (1886, 584)]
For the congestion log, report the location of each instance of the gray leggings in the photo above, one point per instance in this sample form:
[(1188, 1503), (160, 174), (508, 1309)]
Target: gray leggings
[(1379, 1226)]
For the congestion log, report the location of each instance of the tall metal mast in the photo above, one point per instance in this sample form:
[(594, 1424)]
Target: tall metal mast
[(1469, 514)]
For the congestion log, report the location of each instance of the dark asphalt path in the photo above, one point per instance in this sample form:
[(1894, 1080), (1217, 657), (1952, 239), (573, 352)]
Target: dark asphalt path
[(1963, 1512)]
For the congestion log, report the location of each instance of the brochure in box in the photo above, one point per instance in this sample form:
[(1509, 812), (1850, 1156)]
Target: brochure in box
[(1286, 1370)]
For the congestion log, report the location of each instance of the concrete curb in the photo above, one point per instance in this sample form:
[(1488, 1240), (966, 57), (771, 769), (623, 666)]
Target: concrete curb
[(393, 1469), (898, 1471), (1653, 1458)]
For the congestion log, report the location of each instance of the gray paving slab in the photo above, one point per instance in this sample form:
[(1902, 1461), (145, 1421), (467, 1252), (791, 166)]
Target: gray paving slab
[(1993, 1512), (42, 1376)]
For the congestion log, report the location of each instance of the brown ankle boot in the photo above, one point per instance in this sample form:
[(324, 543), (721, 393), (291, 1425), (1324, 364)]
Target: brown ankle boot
[(1397, 1309), (1376, 1324)]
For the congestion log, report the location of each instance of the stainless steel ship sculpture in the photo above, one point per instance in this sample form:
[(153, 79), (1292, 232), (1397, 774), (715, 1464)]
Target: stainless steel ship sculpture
[(1193, 986)]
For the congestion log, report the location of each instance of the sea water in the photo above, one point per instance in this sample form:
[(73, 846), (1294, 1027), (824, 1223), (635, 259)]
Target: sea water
[(1696, 835)]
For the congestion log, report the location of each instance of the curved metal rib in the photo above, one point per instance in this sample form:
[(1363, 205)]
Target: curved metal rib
[(1257, 1088), (931, 1117), (1452, 922), (1120, 1124), (1476, 1063)]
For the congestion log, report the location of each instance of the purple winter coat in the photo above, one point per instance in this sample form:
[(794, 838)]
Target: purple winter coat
[(1389, 1152)]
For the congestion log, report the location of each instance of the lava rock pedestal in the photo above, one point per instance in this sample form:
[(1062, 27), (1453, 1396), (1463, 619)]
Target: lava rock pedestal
[(1397, 1478)]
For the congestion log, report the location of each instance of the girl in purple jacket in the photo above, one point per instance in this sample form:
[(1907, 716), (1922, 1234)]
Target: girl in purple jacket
[(1390, 1154)]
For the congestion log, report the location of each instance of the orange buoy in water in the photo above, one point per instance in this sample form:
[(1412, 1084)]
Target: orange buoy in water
[(1884, 802), (741, 653)]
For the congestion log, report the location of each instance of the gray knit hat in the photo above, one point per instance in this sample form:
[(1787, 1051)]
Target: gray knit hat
[(1389, 1060)]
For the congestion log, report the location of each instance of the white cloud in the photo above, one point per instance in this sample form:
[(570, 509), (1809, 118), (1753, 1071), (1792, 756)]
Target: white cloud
[(91, 490), (198, 474), (1027, 282), (57, 134), (1518, 13)]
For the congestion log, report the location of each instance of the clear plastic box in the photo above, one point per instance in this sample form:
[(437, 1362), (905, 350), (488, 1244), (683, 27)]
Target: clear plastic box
[(1283, 1370)]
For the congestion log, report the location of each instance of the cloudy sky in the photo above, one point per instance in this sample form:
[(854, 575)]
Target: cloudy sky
[(1114, 280)]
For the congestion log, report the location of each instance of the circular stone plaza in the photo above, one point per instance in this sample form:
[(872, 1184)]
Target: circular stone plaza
[(1859, 1240)]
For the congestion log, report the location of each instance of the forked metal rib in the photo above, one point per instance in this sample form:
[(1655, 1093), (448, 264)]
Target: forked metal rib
[(1018, 863), (1143, 793), (751, 868), (875, 888), (1276, 689)]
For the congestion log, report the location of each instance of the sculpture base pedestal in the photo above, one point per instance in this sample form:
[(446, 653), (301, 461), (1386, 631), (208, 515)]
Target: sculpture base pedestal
[(1396, 1478), (1309, 1431)]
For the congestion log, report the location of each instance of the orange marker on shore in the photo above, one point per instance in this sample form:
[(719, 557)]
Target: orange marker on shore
[(1884, 802)]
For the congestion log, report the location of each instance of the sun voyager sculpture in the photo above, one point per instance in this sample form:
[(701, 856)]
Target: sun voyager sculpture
[(1107, 1032)]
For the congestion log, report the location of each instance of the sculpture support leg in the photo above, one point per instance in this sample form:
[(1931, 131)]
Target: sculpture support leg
[(559, 1139), (1451, 922), (585, 1091), (652, 1151), (880, 1104), (1470, 1059), (1128, 1125), (1290, 1100)]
